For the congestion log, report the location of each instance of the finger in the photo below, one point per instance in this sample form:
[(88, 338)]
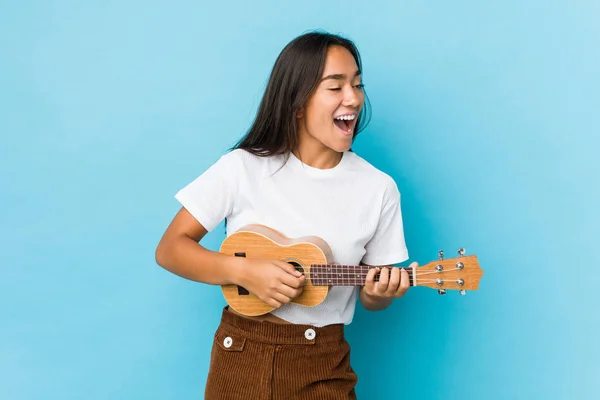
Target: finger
[(288, 291), (404, 283), (287, 267), (394, 281), (292, 281), (281, 298), (370, 280), (272, 302), (383, 280)]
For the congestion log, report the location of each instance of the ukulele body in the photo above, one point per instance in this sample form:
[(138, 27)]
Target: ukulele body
[(258, 241)]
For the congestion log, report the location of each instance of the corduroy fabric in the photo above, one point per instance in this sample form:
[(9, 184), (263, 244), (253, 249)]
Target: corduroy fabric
[(254, 360)]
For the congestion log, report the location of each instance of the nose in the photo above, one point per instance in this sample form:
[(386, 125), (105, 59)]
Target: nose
[(352, 97)]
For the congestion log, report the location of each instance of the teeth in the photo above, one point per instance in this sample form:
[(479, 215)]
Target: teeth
[(346, 117)]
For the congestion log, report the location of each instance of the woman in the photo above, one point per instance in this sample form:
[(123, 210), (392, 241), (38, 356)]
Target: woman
[(295, 173)]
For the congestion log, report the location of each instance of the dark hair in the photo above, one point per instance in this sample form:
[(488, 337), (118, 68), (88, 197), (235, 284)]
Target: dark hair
[(293, 80)]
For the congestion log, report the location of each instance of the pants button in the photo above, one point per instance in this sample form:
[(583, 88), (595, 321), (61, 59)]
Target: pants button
[(310, 334)]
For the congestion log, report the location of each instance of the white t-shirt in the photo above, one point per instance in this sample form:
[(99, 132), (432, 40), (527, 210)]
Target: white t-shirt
[(354, 207)]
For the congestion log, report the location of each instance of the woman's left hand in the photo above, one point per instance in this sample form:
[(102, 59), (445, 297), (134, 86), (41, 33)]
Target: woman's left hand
[(393, 282)]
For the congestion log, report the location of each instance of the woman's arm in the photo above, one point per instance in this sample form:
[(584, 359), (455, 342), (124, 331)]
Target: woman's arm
[(180, 252), (275, 282)]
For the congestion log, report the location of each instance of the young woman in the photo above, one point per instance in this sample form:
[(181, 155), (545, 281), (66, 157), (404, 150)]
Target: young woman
[(295, 173)]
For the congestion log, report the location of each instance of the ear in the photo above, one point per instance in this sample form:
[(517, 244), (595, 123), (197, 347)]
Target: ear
[(300, 113)]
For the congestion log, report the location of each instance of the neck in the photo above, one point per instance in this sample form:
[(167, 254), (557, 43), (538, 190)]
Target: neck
[(315, 154), (345, 275)]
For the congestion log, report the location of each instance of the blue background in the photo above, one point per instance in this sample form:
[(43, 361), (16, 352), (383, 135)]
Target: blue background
[(485, 112)]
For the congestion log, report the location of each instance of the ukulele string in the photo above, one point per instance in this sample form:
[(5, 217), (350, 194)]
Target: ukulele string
[(347, 275), (362, 274), (436, 272)]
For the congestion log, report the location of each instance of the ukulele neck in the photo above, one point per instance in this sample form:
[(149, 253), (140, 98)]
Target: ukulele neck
[(345, 275)]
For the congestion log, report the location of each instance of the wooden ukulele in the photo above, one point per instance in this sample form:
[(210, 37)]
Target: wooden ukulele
[(312, 256)]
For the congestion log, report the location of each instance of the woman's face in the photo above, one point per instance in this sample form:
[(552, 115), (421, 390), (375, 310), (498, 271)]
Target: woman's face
[(329, 118)]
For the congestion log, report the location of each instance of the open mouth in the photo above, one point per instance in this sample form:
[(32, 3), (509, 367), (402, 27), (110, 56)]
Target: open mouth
[(346, 123)]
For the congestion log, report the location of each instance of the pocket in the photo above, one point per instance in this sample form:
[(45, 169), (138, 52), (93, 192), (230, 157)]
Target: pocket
[(228, 341), (231, 365)]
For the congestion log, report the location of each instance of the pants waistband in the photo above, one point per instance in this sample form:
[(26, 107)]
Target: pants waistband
[(274, 333)]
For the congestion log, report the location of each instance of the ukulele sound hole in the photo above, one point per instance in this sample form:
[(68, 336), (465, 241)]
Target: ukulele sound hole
[(297, 266)]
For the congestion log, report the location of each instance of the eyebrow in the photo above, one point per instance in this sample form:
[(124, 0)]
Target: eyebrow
[(339, 77)]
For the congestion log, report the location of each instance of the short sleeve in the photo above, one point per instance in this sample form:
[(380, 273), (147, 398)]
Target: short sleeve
[(388, 246), (210, 197)]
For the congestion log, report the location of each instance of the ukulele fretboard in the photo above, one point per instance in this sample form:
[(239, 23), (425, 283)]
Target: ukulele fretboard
[(344, 275)]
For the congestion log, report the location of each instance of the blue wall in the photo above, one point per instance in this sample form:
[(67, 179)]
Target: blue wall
[(486, 114)]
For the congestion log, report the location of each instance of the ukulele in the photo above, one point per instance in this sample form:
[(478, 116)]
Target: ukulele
[(312, 256)]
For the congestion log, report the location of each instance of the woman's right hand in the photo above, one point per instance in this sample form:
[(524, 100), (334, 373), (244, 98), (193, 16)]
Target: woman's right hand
[(275, 282)]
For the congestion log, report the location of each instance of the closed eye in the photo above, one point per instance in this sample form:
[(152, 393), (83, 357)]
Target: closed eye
[(359, 86)]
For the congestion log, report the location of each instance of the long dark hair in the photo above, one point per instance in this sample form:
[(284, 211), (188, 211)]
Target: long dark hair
[(293, 80)]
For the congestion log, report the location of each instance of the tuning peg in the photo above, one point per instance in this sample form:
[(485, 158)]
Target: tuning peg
[(442, 291), (463, 292), (461, 252), (441, 254)]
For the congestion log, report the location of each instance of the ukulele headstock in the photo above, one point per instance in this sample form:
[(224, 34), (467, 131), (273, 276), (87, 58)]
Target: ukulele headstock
[(460, 273)]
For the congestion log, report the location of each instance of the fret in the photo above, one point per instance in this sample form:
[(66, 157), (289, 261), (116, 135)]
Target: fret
[(332, 275), (319, 273), (348, 275)]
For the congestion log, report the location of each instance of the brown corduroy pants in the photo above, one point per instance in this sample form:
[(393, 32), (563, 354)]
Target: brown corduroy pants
[(254, 360)]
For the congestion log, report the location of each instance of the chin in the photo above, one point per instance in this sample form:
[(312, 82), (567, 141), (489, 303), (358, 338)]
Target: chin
[(342, 147)]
